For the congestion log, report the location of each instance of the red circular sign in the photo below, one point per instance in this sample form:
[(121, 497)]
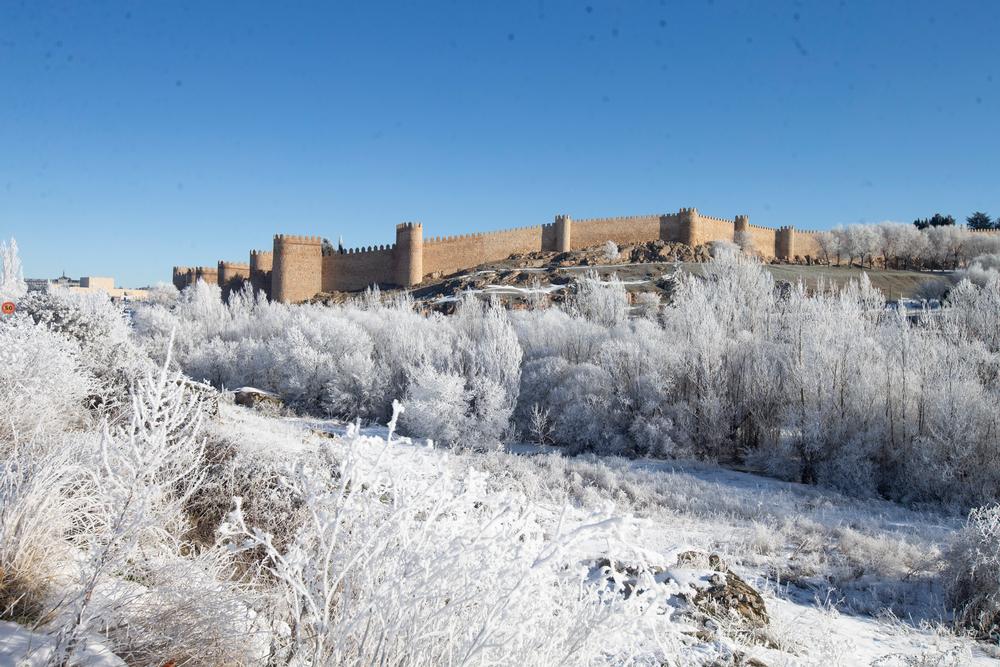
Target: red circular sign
[(8, 307)]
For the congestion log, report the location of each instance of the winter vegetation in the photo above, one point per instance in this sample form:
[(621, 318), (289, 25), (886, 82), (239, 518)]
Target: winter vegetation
[(895, 245), (12, 283), (829, 387), (502, 487)]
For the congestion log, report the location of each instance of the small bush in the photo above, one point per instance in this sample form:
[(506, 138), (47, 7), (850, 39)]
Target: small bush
[(43, 386), (973, 573)]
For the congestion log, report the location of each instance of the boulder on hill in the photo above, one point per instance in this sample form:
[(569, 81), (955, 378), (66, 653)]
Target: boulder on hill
[(726, 594), (251, 397), (707, 589)]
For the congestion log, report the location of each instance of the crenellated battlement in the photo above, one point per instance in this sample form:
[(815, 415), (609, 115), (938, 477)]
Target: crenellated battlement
[(293, 238), (714, 219), (487, 234), (370, 249), (298, 267), (622, 218)]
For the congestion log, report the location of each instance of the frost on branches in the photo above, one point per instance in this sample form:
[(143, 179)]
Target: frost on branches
[(145, 519), (823, 386), (12, 285)]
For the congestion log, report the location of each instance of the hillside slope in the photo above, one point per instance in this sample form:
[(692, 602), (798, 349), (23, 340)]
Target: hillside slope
[(643, 267)]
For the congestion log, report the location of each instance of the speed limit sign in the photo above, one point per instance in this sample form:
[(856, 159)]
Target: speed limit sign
[(8, 308)]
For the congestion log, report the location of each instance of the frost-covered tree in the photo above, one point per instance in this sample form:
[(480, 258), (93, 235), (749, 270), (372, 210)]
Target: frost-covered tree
[(12, 285), (43, 383), (610, 251), (744, 239), (823, 385), (973, 574), (600, 301)]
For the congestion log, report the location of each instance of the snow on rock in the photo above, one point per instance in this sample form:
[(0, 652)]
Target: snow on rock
[(21, 647), (252, 397)]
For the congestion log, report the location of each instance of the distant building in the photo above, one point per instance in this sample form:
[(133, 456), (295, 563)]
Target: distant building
[(91, 284), (64, 281), (86, 285)]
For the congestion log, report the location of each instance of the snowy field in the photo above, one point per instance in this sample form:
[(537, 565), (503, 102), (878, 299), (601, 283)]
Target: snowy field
[(829, 566), (746, 475)]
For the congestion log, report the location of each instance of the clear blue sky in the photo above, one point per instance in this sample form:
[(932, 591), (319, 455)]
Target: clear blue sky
[(135, 136)]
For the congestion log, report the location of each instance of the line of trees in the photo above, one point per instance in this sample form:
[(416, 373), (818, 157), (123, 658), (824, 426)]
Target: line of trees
[(941, 245), (977, 221), (830, 388)]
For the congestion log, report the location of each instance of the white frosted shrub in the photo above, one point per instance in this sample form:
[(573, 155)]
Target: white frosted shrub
[(162, 294), (603, 302), (12, 285), (822, 385), (581, 403), (723, 248), (973, 574), (426, 568), (610, 251), (37, 509), (744, 240), (312, 363), (101, 330), (43, 385), (648, 304), (975, 312), (138, 582), (437, 405)]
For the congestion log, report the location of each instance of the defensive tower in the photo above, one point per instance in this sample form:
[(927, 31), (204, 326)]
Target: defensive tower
[(182, 276), (210, 274), (408, 255), (784, 242), (261, 263), (741, 224), (564, 233), (690, 226), (232, 275), (297, 272)]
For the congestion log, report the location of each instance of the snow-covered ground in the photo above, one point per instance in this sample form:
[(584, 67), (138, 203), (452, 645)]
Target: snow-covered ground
[(846, 581), (21, 647)]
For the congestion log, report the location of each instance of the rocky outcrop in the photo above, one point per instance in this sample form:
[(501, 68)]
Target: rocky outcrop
[(699, 586), (259, 399)]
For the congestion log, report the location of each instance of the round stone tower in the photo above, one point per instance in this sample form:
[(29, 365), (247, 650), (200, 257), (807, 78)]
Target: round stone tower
[(182, 277), (408, 255), (690, 223), (784, 243), (261, 263), (564, 233)]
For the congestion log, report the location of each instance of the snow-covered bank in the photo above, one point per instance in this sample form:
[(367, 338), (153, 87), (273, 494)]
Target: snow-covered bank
[(846, 581)]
